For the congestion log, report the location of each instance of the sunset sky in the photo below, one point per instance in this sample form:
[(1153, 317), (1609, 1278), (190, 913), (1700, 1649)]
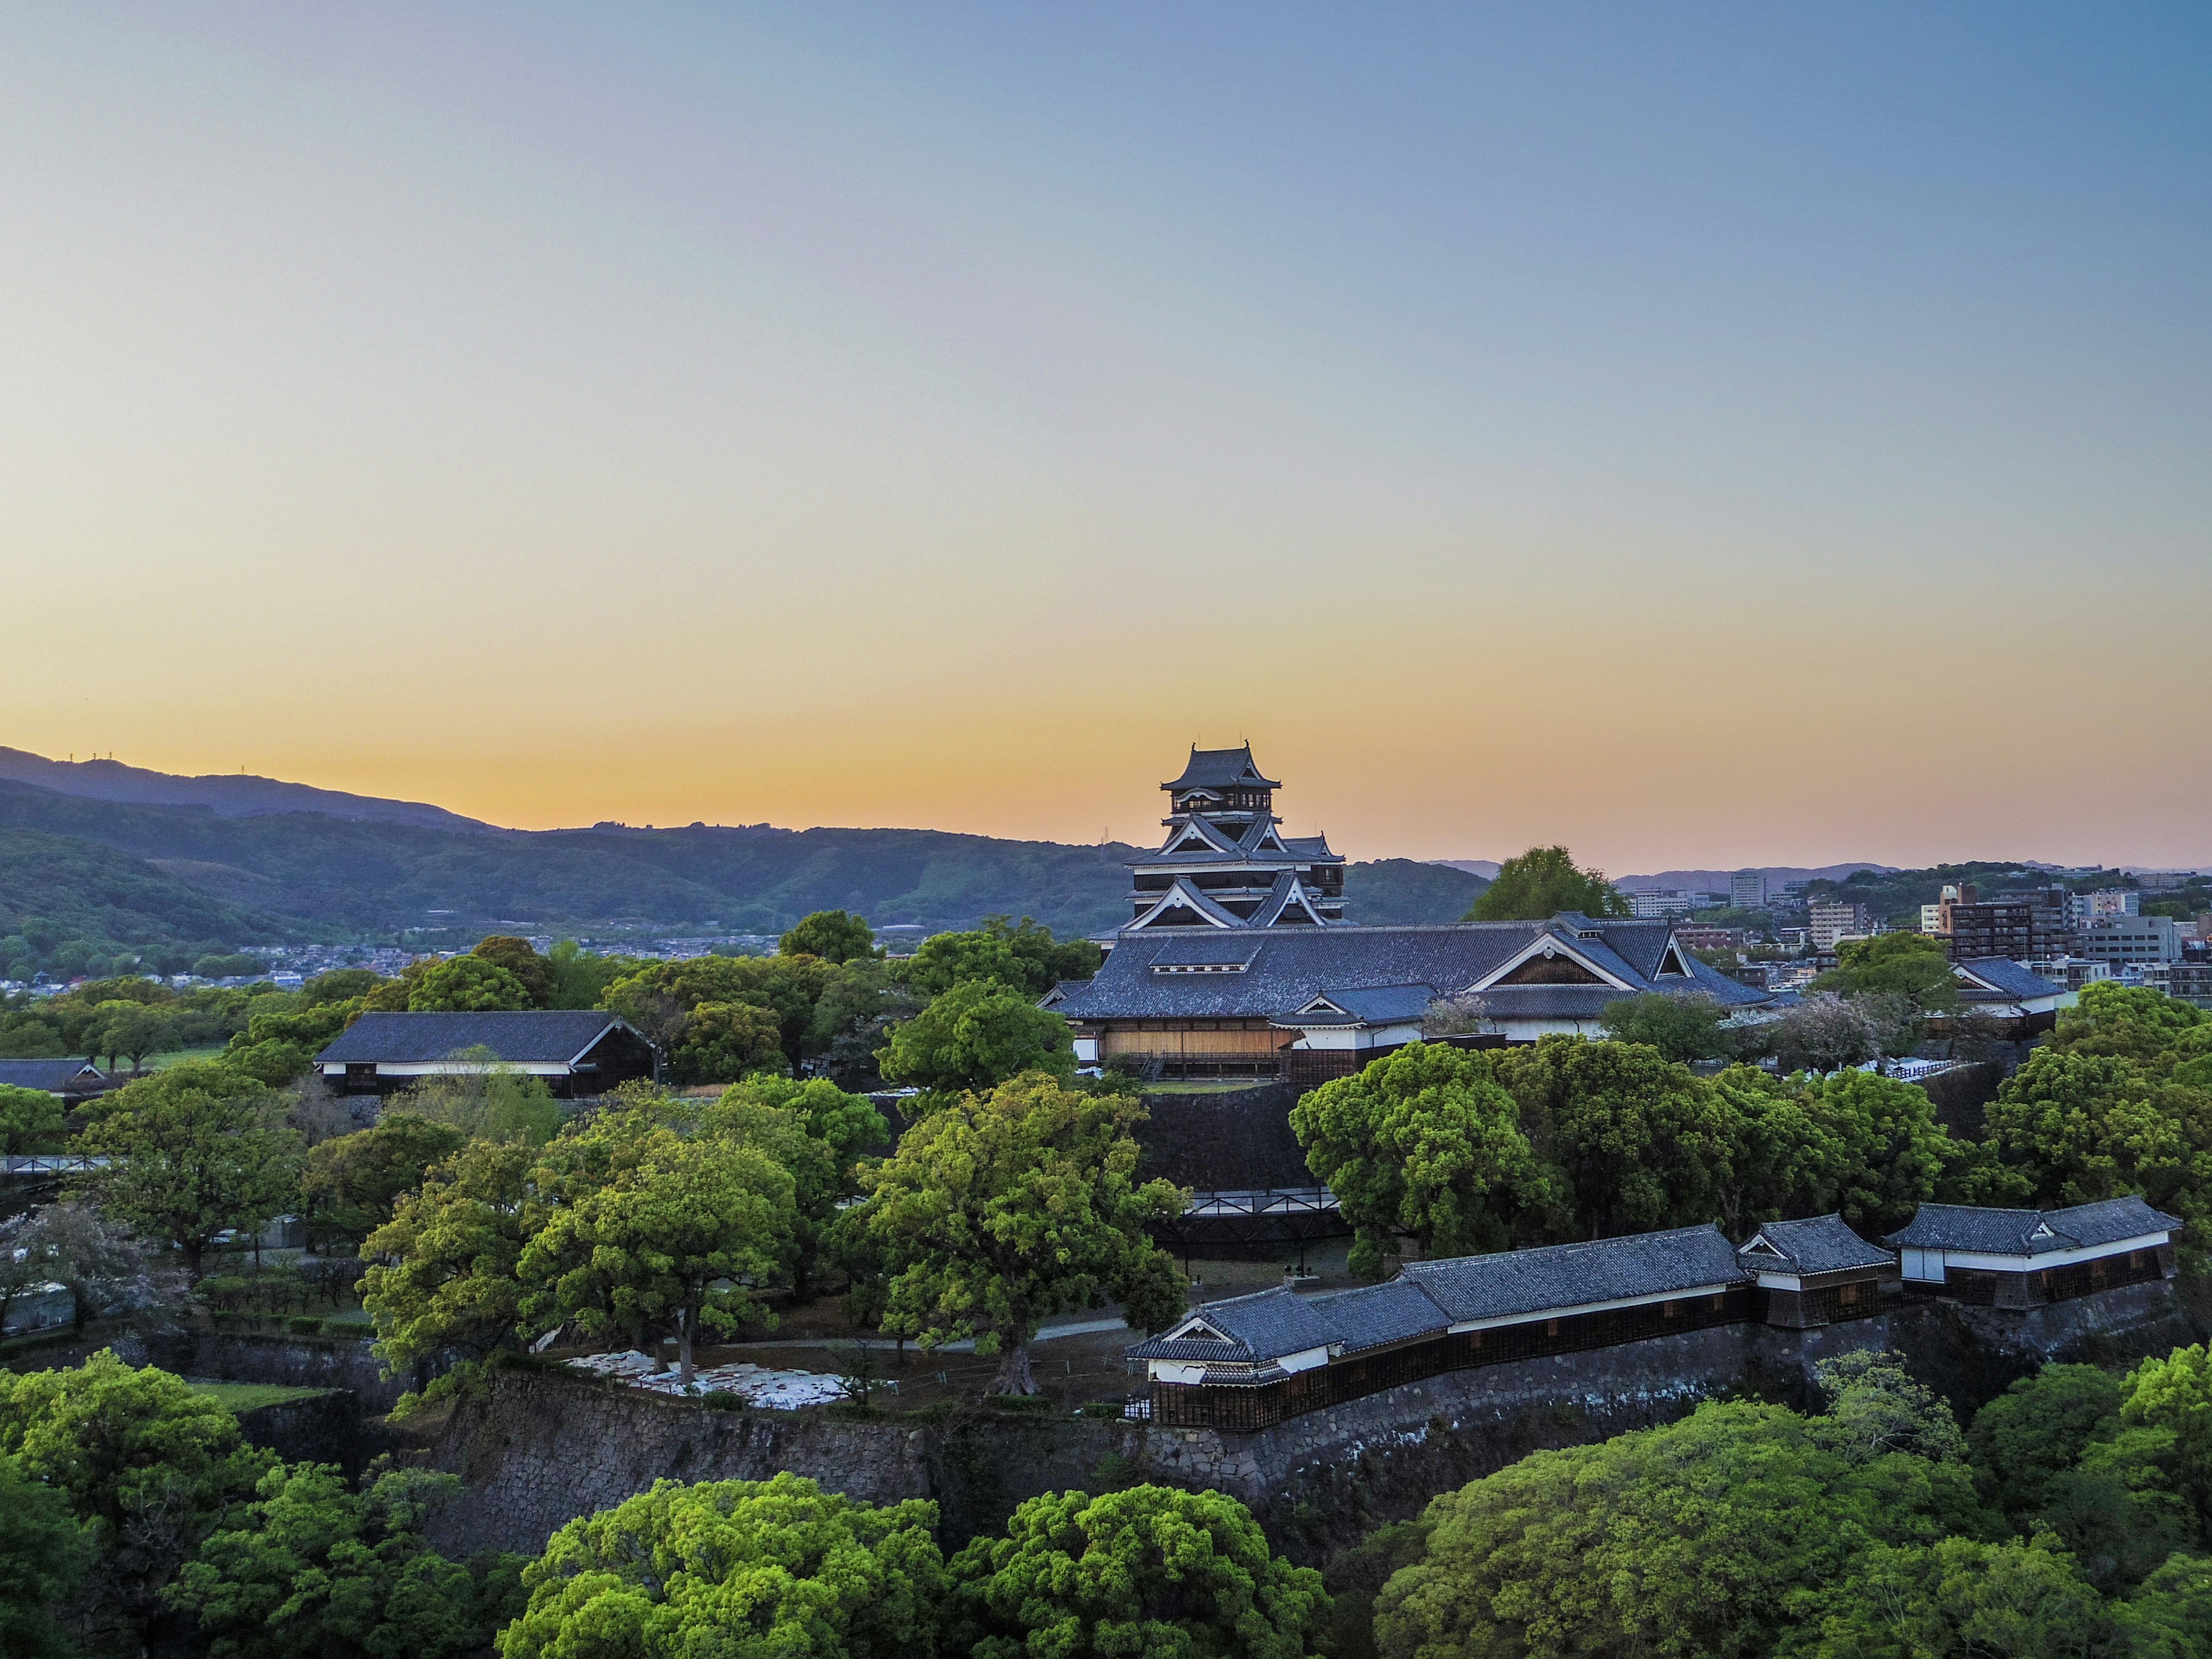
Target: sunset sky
[(1702, 435)]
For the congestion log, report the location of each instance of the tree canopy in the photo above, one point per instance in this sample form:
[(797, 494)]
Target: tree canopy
[(1024, 956), (466, 985), (1542, 882), (349, 1184), (833, 935), (979, 1034), (1148, 1569), (774, 1568), (1425, 1145), (195, 1150), (1681, 1028), (311, 1566), (1003, 1207)]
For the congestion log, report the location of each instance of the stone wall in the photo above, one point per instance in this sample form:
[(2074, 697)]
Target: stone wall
[(546, 1445)]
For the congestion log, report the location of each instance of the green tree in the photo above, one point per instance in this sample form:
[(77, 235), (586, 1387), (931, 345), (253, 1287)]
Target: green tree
[(519, 959), (349, 1184), (975, 1037), (659, 998), (30, 1121), (1424, 1144), (1025, 956), (466, 985), (676, 1238), (2038, 1428), (1892, 1153), (2071, 1126), (312, 1566), (580, 978), (1914, 966), (488, 1102), (1786, 1161), (1959, 1598), (1004, 1207), (775, 1569), (816, 1131), (1642, 1143), (2132, 1022), (2174, 1394), (42, 1562), (441, 1271), (1681, 1028), (194, 1151), (1148, 1569), (145, 1463), (1876, 1407), (131, 1031), (832, 935), (1706, 1539), (1542, 882), (2170, 1616), (723, 1042)]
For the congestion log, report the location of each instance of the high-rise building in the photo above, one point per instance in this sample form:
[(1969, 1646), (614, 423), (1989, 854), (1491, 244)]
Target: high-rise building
[(1747, 890), (2105, 901), (2122, 938), (1830, 920)]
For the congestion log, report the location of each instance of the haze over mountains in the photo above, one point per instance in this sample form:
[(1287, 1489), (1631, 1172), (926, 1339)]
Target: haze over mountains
[(247, 860)]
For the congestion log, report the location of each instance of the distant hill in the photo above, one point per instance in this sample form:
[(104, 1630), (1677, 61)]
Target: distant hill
[(1396, 891), (1487, 868), (56, 890), (1717, 881), (311, 870), (238, 797)]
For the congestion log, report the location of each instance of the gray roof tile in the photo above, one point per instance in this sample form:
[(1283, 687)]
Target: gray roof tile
[(519, 1038), (54, 1076), (1220, 769), (1821, 1245), (2009, 977), (2032, 1232), (1572, 1275)]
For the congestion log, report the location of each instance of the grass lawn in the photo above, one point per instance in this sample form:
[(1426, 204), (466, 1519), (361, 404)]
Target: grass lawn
[(252, 1396), (1211, 1086), (176, 1056)]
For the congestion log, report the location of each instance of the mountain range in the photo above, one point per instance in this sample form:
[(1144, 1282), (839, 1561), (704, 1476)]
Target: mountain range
[(198, 862)]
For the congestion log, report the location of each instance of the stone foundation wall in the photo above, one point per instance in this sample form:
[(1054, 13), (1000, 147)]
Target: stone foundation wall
[(546, 1446)]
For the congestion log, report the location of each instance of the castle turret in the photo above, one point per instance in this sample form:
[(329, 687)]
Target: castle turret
[(1226, 862)]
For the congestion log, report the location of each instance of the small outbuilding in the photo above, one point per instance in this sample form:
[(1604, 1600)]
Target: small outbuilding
[(573, 1053), (71, 1080), (2026, 1258), (1817, 1271)]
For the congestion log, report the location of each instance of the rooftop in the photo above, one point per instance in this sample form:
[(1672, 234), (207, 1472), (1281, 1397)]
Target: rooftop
[(2032, 1232), (1822, 1244), (532, 1036), (1221, 769)]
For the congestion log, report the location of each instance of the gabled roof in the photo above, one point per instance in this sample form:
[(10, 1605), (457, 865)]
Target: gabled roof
[(1183, 895), (1266, 1325), (56, 1077), (529, 1037), (1221, 769), (1822, 1244), (2007, 977), (1286, 901), (1574, 1275), (2032, 1232), (1384, 1004), (1378, 1315), (1290, 966)]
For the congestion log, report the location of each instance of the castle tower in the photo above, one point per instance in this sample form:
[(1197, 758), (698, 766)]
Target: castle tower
[(1226, 863)]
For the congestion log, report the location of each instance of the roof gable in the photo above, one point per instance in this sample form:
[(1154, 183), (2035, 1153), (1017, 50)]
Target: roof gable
[(530, 1037)]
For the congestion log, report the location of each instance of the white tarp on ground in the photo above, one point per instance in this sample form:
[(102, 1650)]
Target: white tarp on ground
[(755, 1384)]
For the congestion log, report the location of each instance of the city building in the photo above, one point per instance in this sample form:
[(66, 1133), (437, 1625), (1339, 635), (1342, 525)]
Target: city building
[(2119, 939), (2191, 982), (2105, 901), (1657, 902), (573, 1054), (1699, 936), (1226, 863), (2017, 926), (2071, 971), (1747, 890), (2025, 1258), (1830, 920)]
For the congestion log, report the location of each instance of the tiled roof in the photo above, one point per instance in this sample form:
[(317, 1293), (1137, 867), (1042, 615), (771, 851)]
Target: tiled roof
[(1823, 1244), (56, 1077), (519, 1038), (2009, 978), (2032, 1232), (1221, 769), (1292, 965), (1381, 1314), (1382, 1003), (1427, 1296), (1573, 1275)]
